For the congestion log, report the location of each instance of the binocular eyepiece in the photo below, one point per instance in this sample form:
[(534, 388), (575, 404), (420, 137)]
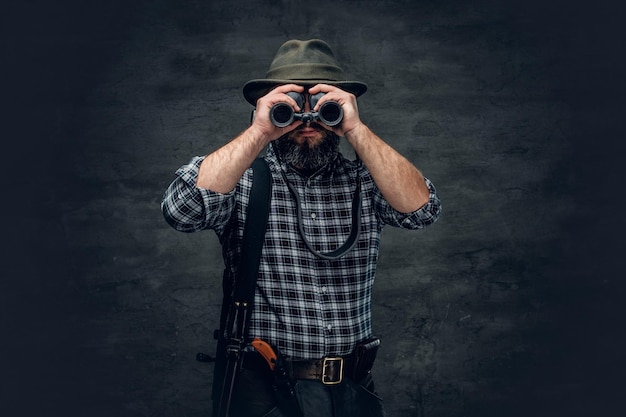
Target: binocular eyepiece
[(282, 114)]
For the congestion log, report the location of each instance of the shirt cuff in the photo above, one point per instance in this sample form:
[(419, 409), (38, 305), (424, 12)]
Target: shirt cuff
[(191, 208), (425, 215)]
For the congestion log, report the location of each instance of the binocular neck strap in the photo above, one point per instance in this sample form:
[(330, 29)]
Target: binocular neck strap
[(355, 230)]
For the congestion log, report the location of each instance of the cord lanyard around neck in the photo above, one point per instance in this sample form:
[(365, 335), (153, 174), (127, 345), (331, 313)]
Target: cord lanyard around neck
[(355, 230)]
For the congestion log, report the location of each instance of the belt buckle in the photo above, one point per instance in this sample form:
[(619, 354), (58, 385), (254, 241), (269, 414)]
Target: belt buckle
[(326, 380)]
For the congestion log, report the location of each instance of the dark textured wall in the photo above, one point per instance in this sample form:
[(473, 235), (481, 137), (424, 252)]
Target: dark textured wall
[(510, 305)]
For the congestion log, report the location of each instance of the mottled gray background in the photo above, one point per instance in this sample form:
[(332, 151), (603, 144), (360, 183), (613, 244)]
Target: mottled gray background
[(510, 305)]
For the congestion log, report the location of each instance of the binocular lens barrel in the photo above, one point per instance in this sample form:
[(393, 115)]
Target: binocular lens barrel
[(281, 114), (330, 113)]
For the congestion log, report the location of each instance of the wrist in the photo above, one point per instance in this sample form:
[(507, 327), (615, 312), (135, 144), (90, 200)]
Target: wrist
[(355, 132), (258, 136)]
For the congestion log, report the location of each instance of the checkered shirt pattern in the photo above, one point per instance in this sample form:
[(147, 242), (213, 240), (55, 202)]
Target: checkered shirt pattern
[(306, 306)]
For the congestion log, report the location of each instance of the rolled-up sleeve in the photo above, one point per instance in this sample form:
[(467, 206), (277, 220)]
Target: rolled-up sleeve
[(420, 218), (188, 208)]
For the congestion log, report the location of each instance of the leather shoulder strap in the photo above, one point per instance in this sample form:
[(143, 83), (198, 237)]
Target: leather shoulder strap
[(254, 230)]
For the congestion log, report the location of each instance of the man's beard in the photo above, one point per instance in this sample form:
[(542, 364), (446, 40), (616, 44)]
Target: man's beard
[(306, 157)]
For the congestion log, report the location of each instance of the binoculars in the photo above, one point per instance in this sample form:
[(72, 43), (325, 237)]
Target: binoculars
[(282, 114)]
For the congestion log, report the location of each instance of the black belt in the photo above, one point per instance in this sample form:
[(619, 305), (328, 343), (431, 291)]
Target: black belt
[(329, 370)]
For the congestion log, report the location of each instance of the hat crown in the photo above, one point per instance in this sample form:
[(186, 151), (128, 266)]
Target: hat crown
[(305, 60)]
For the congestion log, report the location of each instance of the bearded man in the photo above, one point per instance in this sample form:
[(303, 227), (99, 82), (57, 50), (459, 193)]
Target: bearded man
[(313, 290)]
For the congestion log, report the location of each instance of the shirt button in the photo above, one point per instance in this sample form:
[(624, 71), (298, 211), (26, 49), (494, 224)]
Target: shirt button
[(329, 327), (313, 215), (324, 289)]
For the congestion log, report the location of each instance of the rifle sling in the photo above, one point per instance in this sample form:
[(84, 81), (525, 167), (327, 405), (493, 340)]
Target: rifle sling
[(254, 231)]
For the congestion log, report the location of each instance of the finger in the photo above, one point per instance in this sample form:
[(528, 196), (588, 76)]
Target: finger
[(266, 104), (282, 94), (331, 93), (324, 88), (285, 88)]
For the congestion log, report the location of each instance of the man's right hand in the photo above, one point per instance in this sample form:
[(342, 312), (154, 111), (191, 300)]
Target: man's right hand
[(221, 170), (262, 126)]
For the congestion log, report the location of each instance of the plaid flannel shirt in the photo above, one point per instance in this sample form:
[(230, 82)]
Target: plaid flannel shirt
[(306, 306)]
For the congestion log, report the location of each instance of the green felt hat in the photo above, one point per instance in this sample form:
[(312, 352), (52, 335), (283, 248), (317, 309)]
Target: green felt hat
[(304, 63)]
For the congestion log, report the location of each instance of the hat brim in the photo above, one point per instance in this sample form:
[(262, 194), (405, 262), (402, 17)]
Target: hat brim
[(255, 89)]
